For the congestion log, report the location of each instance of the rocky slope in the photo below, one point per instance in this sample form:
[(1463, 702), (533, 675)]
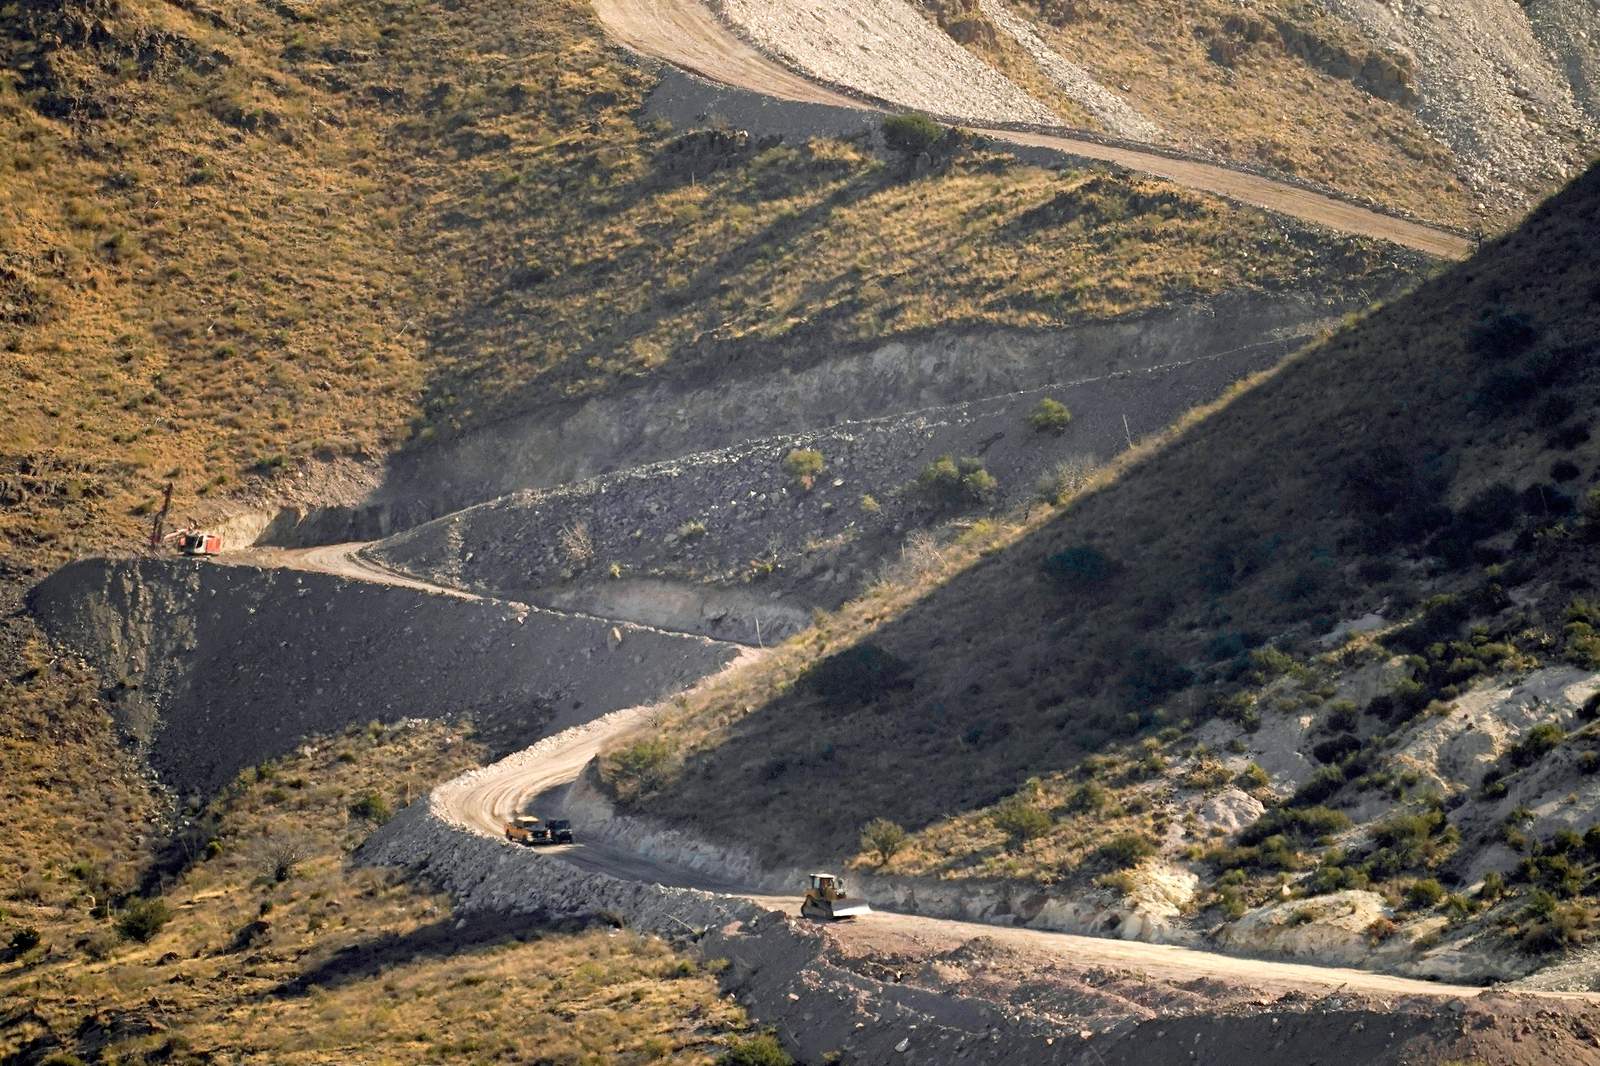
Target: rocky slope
[(1348, 650)]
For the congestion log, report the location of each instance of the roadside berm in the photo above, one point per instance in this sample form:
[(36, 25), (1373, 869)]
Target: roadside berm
[(890, 988)]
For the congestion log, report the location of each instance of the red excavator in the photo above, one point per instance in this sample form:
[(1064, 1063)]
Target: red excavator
[(190, 540)]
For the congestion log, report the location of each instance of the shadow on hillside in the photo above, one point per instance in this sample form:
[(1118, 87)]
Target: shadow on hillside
[(1371, 472), (450, 936)]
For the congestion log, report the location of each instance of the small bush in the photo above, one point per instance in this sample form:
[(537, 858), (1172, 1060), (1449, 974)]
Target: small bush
[(371, 807), (912, 134), (1125, 850), (1066, 479), (761, 1049), (950, 483), (1050, 416), (1536, 744), (142, 919), (803, 464), (1020, 820), (642, 766), (1423, 894), (1503, 335), (858, 675), (1252, 778), (883, 839)]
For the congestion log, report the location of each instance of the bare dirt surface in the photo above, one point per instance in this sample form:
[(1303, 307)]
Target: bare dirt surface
[(687, 34)]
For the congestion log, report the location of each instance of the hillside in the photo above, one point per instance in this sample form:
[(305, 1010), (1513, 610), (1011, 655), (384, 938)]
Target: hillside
[(247, 242), (1464, 118), (1359, 586)]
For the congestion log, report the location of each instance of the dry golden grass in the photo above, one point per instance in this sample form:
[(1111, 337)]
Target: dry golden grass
[(335, 964), (280, 234), (1271, 106)]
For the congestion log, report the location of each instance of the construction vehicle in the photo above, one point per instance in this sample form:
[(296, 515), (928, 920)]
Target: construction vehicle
[(826, 898), (196, 541), (190, 539)]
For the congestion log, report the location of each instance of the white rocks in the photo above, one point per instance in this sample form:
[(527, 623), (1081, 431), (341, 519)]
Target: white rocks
[(1114, 113), (885, 49)]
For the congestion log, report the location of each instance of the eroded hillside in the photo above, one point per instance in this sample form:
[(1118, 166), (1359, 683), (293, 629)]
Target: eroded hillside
[(1337, 635)]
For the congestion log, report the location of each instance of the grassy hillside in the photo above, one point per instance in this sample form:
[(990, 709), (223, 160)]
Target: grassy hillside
[(1433, 463), (265, 945), (242, 237)]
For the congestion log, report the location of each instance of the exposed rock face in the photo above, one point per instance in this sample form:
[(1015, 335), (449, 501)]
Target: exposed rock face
[(214, 668)]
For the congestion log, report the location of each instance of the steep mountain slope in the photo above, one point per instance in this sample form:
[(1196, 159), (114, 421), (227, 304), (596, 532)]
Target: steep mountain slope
[(1464, 118), (1429, 471), (241, 240)]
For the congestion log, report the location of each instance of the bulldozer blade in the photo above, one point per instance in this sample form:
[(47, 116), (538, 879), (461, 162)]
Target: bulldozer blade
[(850, 909)]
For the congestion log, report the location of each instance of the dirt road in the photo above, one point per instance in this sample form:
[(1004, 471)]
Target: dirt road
[(687, 34), (537, 779)]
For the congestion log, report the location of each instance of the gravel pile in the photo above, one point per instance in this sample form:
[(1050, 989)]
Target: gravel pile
[(1489, 88), (1113, 112), (885, 49)]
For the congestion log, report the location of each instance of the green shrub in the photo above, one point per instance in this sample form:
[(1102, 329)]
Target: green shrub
[(1125, 850), (883, 839), (1424, 893), (803, 464), (1090, 797), (371, 807), (1252, 778), (1537, 743), (642, 766), (761, 1049), (1021, 820), (143, 918), (858, 675), (1050, 416), (1302, 824), (949, 483), (911, 134), (1493, 887)]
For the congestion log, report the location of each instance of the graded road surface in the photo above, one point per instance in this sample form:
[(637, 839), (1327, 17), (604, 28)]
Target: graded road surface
[(537, 779), (687, 34)]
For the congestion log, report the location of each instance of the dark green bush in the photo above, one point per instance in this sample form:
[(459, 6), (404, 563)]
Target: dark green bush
[(1125, 850), (24, 940), (371, 807), (858, 675), (1021, 820), (142, 919), (911, 134), (1302, 824), (1050, 416), (1424, 893), (1536, 744), (950, 483)]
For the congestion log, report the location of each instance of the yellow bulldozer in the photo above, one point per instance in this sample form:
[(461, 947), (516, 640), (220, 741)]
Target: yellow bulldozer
[(826, 898)]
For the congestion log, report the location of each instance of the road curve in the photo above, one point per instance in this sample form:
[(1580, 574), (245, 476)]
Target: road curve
[(537, 779), (687, 34)]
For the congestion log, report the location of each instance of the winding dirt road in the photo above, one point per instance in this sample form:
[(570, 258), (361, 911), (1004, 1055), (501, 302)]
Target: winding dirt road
[(539, 777), (687, 34)]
